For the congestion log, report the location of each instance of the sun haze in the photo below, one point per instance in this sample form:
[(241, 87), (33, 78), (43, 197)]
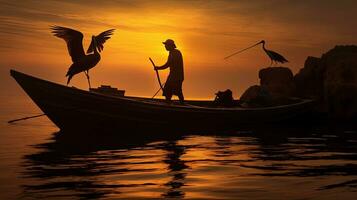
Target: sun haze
[(204, 31)]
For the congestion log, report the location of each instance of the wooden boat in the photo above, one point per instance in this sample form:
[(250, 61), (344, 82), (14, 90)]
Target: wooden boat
[(75, 109)]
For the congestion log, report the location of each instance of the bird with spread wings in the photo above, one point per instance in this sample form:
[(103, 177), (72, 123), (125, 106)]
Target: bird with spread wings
[(81, 62)]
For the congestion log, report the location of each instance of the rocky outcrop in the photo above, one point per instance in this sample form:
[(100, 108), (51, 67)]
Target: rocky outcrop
[(309, 80), (256, 96), (277, 80), (276, 87), (259, 96), (332, 80), (340, 82)]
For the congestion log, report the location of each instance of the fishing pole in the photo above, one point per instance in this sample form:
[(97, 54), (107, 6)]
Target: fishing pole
[(158, 77), (25, 118), (157, 91)]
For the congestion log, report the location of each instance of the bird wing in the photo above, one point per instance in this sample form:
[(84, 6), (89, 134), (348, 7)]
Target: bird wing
[(100, 39), (277, 57), (73, 39)]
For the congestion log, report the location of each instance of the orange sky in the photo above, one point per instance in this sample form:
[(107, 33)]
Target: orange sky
[(205, 32)]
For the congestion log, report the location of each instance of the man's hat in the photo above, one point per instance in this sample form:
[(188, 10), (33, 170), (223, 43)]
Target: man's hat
[(169, 42)]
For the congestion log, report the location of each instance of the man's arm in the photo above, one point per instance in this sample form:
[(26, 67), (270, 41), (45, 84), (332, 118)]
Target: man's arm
[(166, 65)]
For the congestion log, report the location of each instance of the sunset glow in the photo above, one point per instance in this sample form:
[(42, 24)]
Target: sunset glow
[(178, 99), (205, 32)]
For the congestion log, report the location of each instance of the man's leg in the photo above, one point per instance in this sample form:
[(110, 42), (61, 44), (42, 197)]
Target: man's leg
[(168, 98), (167, 92), (181, 98), (180, 94)]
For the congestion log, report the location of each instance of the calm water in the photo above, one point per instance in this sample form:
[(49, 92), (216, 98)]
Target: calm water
[(309, 163)]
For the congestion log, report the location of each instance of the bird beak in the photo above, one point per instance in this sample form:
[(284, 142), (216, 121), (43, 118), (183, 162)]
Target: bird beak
[(257, 44)]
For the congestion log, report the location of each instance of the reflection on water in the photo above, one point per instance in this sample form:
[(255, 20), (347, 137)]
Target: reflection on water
[(176, 167), (320, 164)]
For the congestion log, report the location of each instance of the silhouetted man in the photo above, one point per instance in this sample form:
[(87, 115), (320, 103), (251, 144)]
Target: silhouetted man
[(173, 85)]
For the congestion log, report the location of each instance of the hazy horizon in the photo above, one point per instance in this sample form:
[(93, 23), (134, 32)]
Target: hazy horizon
[(205, 32)]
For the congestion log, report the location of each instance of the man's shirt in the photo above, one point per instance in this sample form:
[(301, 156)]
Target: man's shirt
[(175, 63)]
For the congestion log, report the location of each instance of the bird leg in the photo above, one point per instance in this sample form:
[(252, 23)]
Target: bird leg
[(87, 74), (271, 63)]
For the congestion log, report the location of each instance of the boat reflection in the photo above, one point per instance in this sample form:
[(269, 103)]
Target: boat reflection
[(68, 166), (193, 166)]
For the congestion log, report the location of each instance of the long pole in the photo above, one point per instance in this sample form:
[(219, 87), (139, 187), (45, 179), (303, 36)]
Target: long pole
[(241, 50), (157, 75), (157, 92), (25, 118)]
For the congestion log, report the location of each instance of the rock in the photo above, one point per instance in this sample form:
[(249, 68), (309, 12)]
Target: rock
[(259, 96), (277, 80), (309, 80), (276, 87), (340, 81), (256, 96), (332, 79), (342, 101), (340, 87)]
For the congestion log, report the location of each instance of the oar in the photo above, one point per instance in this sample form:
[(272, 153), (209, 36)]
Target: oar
[(241, 50), (25, 118), (158, 77)]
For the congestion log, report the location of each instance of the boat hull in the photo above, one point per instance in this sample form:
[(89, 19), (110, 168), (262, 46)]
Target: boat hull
[(74, 109)]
